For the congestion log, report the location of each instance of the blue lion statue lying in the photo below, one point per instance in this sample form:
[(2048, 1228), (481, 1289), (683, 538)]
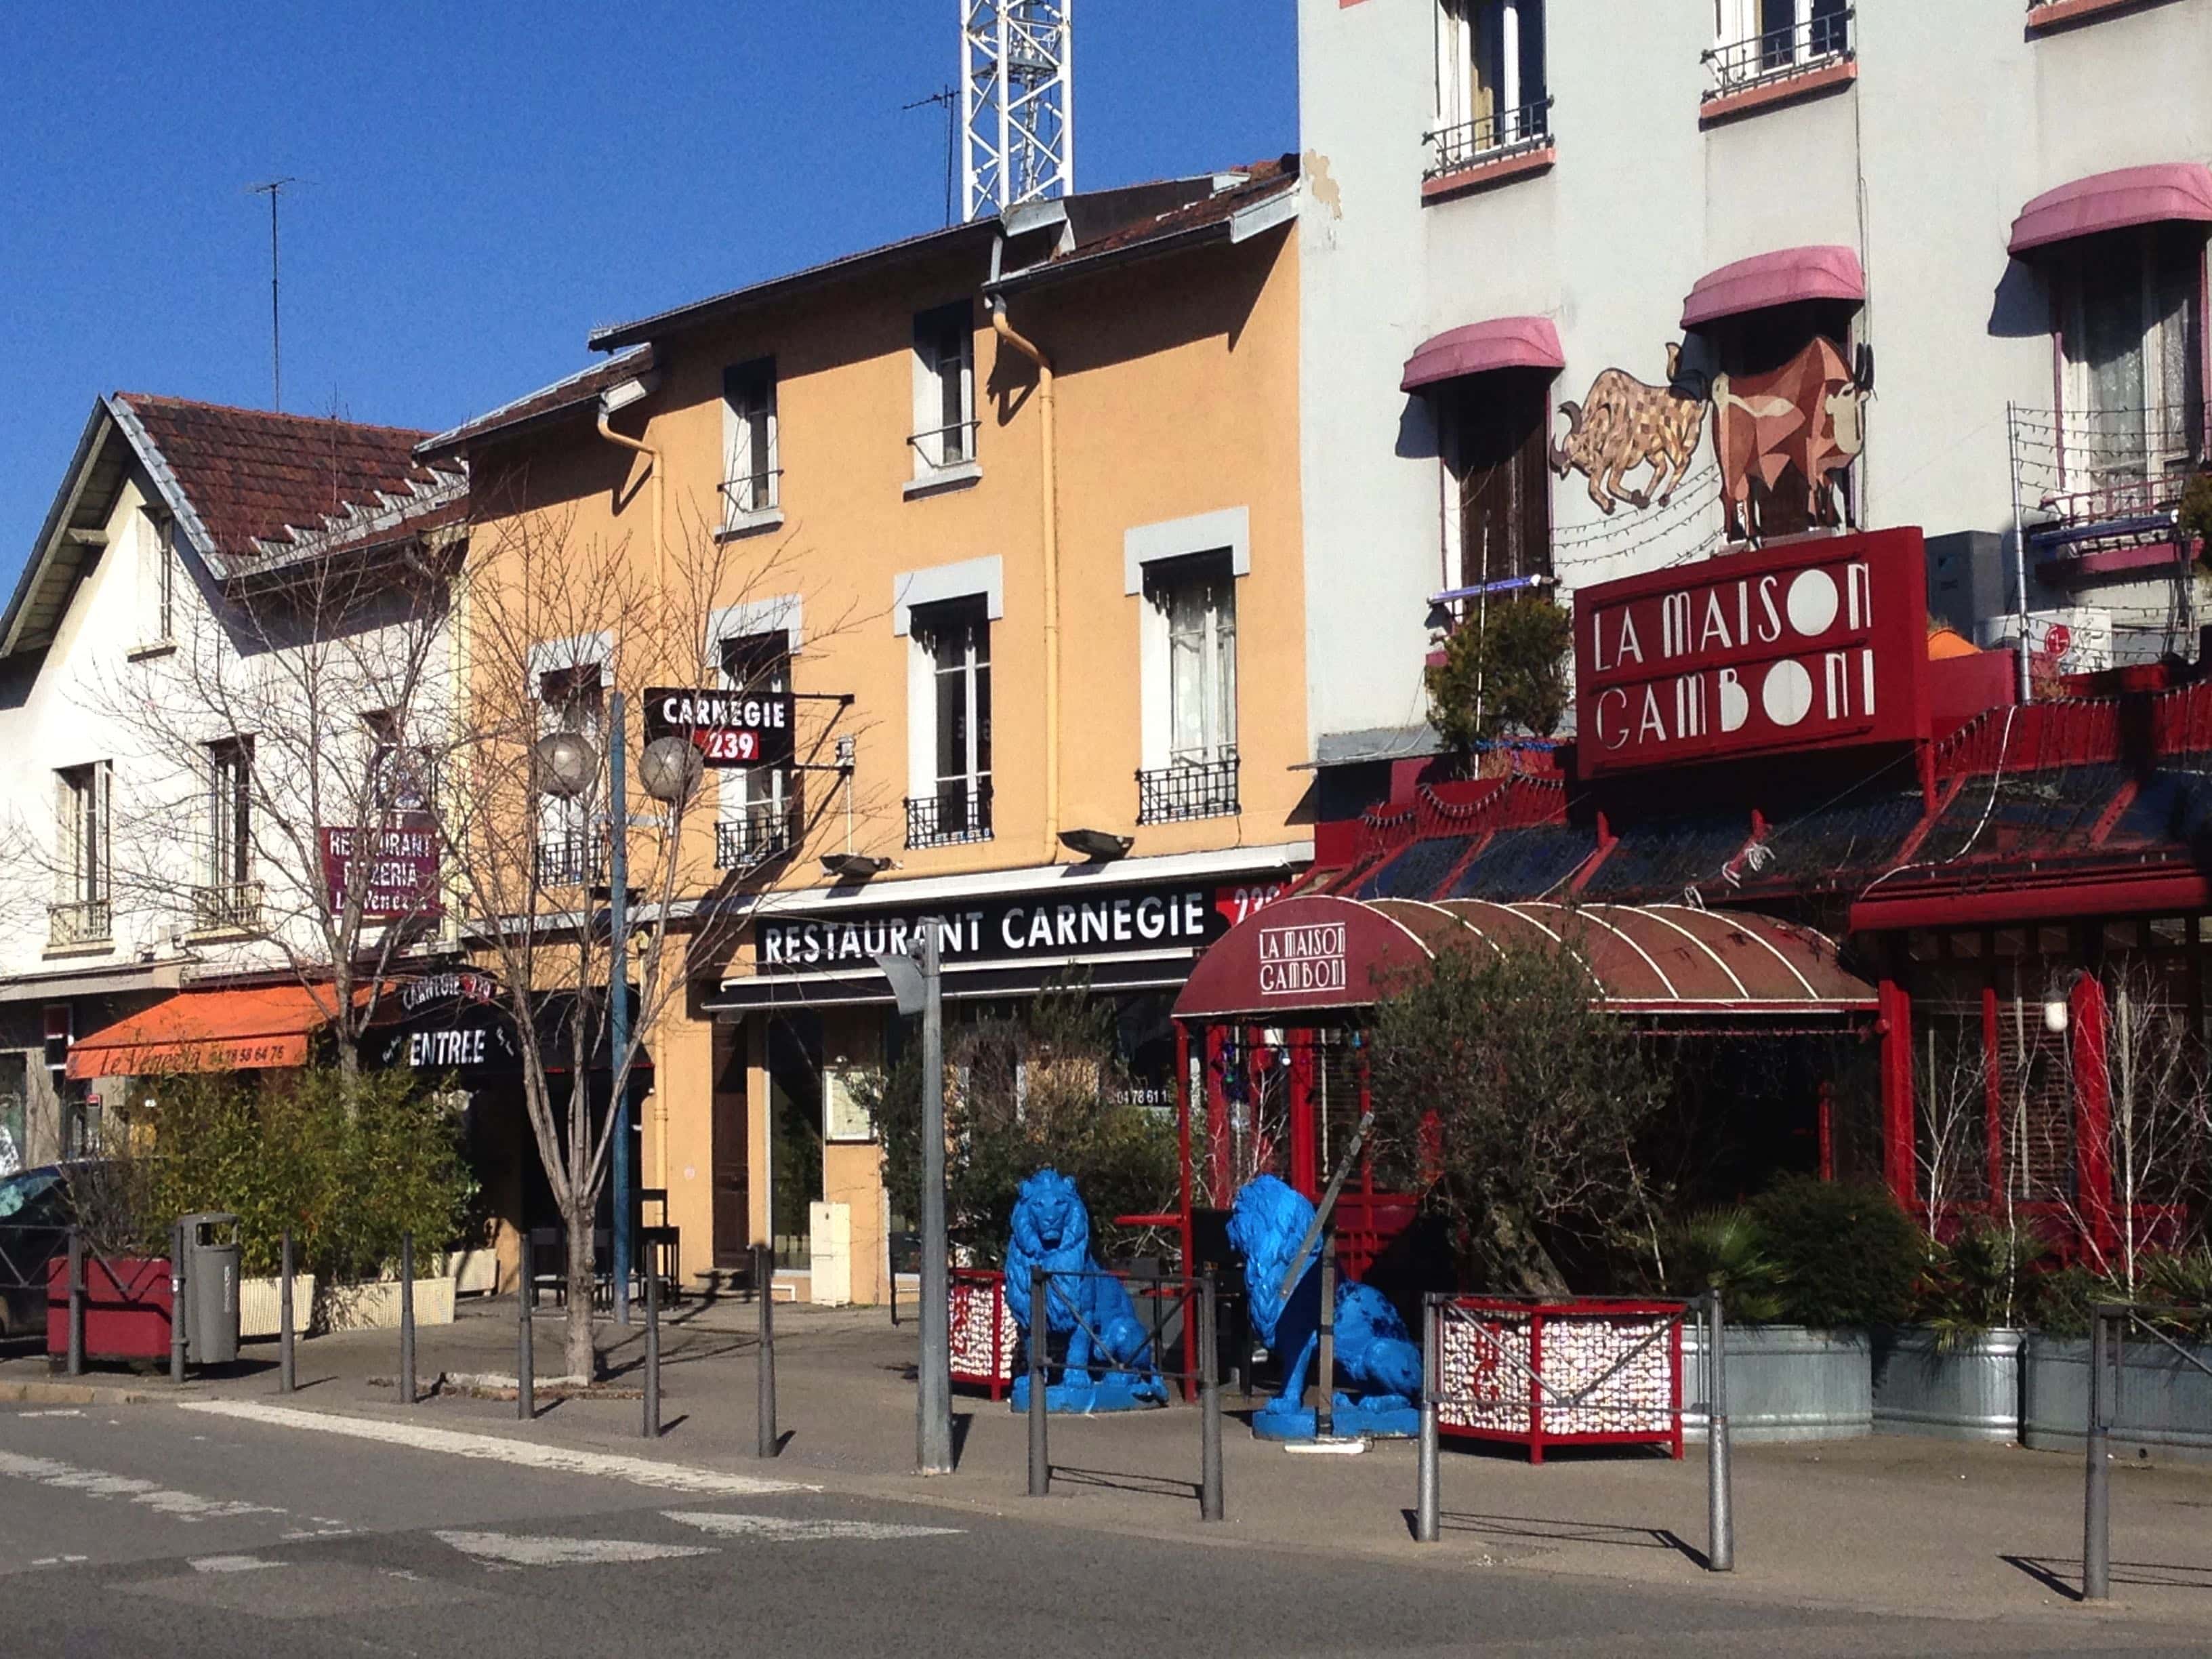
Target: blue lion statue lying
[(1052, 1231), (1373, 1351)]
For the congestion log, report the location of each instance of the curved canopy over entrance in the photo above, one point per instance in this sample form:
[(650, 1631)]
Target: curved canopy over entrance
[(1317, 952)]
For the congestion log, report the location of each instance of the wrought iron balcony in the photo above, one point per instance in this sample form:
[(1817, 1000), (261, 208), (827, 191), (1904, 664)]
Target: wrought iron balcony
[(1489, 138), (230, 907), (946, 446), (1780, 55), (572, 861), (1188, 789), (956, 813), (80, 921), (755, 834)]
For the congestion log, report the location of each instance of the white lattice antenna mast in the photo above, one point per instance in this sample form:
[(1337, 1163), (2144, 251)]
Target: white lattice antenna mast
[(1018, 131)]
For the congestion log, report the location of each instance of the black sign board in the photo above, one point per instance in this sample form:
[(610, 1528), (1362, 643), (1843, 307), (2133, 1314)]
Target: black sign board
[(731, 728)]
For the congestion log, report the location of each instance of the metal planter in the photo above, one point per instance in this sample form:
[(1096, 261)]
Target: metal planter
[(1966, 1389), (2162, 1407), (1786, 1382)]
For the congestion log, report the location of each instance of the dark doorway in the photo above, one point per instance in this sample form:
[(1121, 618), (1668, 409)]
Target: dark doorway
[(733, 1172)]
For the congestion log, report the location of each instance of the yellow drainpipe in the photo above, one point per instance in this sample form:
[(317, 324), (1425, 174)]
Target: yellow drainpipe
[(653, 464), (1050, 485)]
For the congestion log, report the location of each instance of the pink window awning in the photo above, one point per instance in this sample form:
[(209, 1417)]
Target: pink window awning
[(1784, 278), (2173, 190), (1481, 348)]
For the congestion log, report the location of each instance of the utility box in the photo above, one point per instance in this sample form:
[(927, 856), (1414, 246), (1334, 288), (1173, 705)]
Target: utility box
[(830, 1231), (211, 1265)]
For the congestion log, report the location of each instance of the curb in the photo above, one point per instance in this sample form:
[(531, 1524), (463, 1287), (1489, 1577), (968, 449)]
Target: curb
[(77, 1393)]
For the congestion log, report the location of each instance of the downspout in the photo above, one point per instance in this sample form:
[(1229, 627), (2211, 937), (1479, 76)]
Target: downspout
[(1049, 479), (653, 464)]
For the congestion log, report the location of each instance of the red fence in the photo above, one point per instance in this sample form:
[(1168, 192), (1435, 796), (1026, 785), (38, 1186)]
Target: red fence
[(1579, 1373)]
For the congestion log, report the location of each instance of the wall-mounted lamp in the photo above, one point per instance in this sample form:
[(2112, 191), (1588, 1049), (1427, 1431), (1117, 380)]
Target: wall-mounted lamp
[(853, 866), (1097, 845)]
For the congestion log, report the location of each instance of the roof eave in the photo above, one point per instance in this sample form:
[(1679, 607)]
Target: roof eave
[(89, 441), (1252, 219)]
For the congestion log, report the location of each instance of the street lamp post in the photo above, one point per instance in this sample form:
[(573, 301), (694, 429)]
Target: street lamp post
[(618, 998), (917, 984)]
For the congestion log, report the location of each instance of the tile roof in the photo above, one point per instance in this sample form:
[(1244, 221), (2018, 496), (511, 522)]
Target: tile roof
[(264, 486), (1260, 181), (583, 386)]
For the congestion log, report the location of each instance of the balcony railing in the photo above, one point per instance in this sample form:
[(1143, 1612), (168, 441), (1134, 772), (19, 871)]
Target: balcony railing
[(573, 861), (230, 907), (1188, 789), (80, 921), (956, 813), (750, 495), (944, 446), (1779, 55), (756, 832), (2091, 478), (1489, 138)]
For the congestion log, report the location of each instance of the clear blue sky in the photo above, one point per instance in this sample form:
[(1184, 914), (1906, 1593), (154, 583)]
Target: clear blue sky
[(483, 182)]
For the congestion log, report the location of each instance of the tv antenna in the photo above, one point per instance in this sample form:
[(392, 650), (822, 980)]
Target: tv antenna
[(948, 100), (272, 189)]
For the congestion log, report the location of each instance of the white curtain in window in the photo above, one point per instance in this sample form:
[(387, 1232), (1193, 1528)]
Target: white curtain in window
[(1202, 670), (2133, 387)]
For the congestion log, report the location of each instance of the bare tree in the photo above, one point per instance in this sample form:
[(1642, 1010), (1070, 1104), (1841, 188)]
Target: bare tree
[(2159, 1110), (1950, 1087)]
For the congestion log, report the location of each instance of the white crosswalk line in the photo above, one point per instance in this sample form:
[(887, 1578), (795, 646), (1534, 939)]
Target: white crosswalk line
[(783, 1529), (94, 1483), (231, 1564), (520, 1550)]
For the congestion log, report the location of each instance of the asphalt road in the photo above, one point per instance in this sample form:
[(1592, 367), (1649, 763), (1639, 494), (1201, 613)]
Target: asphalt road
[(160, 1531)]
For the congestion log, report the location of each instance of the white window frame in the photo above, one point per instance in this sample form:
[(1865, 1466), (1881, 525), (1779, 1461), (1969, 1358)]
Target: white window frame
[(924, 681), (1217, 661), (229, 765), (157, 574), (82, 798), (1741, 24), (2091, 431), (1151, 556), (1458, 23), (751, 498), (564, 819), (932, 461), (741, 792)]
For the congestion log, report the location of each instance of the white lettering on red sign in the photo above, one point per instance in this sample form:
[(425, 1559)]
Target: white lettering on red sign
[(1299, 960)]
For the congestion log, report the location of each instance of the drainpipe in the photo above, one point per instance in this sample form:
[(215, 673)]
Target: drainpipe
[(609, 402), (1050, 485)]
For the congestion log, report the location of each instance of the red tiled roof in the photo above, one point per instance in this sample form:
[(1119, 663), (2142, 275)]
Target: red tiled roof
[(582, 387), (1261, 178), (254, 478)]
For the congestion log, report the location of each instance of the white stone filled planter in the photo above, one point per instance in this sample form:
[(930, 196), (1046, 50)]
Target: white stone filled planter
[(474, 1270), (1968, 1388), (261, 1305), (375, 1306), (1785, 1382)]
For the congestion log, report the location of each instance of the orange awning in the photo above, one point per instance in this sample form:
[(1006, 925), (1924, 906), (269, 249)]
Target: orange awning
[(234, 1030)]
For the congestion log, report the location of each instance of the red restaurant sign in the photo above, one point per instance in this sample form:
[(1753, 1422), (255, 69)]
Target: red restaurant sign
[(402, 873), (1820, 644)]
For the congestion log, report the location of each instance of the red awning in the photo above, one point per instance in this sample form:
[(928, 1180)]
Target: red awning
[(248, 1029), (1317, 952), (1780, 278), (2113, 201), (1481, 348)]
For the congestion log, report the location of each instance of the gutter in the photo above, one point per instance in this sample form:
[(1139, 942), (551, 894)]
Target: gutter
[(617, 397)]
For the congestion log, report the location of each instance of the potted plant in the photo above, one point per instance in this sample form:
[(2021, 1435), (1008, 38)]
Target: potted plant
[(1955, 1373)]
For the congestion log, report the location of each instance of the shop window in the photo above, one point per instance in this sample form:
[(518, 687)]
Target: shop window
[(82, 913), (1191, 765), (944, 436), (1495, 430), (2130, 315), (751, 474), (757, 806), (951, 801), (1492, 98)]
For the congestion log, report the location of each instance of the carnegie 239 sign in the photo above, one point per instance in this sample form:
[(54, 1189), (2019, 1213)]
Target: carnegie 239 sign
[(729, 728)]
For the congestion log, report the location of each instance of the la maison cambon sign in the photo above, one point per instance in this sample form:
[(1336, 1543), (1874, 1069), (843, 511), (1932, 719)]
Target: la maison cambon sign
[(729, 728), (1820, 644)]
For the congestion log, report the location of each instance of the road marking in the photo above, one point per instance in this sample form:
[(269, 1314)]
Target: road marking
[(56, 1560), (230, 1562), (94, 1483), (58, 1411), (517, 1550), (639, 1471), (782, 1529)]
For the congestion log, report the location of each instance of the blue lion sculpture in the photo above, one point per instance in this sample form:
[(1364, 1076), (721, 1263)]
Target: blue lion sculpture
[(1052, 1231), (1373, 1349)]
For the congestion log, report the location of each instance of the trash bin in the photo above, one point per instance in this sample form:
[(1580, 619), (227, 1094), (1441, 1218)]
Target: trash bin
[(211, 1264)]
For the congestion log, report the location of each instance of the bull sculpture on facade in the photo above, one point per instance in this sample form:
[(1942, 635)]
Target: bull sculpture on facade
[(1809, 415), (1625, 423)]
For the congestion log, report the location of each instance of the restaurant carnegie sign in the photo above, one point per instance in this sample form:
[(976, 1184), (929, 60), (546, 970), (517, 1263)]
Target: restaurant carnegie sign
[(1819, 644), (730, 728)]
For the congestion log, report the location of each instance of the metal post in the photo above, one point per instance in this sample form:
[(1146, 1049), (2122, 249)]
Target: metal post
[(625, 1197), (1427, 1503), (177, 1334), (764, 1371), (526, 1381), (77, 1301), (407, 1318), (652, 1355), (2097, 1491), (1720, 1551), (933, 1401), (1209, 1392), (1325, 1406), (2024, 686), (1040, 1347), (288, 1377)]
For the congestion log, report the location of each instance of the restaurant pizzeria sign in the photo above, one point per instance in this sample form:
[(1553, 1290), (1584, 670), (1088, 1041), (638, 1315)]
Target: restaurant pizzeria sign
[(1820, 644)]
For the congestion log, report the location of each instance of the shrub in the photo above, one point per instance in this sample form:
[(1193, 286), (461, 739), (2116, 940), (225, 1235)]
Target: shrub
[(1505, 670), (1725, 1250), (1981, 1280), (1846, 1254)]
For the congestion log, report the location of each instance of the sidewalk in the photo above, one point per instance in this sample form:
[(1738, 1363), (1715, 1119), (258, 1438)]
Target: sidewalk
[(1891, 1523)]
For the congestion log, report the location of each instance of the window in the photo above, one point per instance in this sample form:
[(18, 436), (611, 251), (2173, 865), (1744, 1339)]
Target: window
[(1495, 428), (1491, 95), (2131, 317), (750, 471), (82, 913), (402, 776), (756, 805), (954, 803), (572, 699), (1194, 605), (1759, 40), (230, 899), (944, 390), (158, 579)]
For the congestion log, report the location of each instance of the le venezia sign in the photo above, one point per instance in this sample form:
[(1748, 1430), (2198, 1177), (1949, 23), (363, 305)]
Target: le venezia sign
[(1819, 644)]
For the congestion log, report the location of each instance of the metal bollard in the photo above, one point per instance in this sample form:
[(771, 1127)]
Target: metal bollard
[(77, 1301), (1209, 1395), (177, 1334), (769, 1443), (1720, 1517), (407, 1318), (653, 1352), (1040, 1349), (526, 1380), (2097, 1490), (1325, 1404), (1427, 1500), (288, 1377)]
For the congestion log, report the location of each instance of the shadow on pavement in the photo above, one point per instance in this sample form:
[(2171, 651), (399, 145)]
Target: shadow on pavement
[(1528, 1529), (1149, 1485), (2062, 1574)]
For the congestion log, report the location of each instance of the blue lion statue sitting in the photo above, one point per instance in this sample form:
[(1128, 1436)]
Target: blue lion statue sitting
[(1052, 1231), (1374, 1351)]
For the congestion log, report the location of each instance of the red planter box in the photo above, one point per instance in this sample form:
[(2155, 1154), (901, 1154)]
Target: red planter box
[(126, 1307)]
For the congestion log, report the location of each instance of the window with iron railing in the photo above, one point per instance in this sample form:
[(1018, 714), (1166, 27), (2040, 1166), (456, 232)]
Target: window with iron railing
[(756, 832), (1491, 99), (750, 470), (80, 913), (572, 861), (227, 907), (944, 423), (79, 921), (956, 813), (1188, 789), (951, 745), (1764, 42)]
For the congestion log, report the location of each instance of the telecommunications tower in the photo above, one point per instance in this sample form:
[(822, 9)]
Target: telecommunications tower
[(1017, 132)]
